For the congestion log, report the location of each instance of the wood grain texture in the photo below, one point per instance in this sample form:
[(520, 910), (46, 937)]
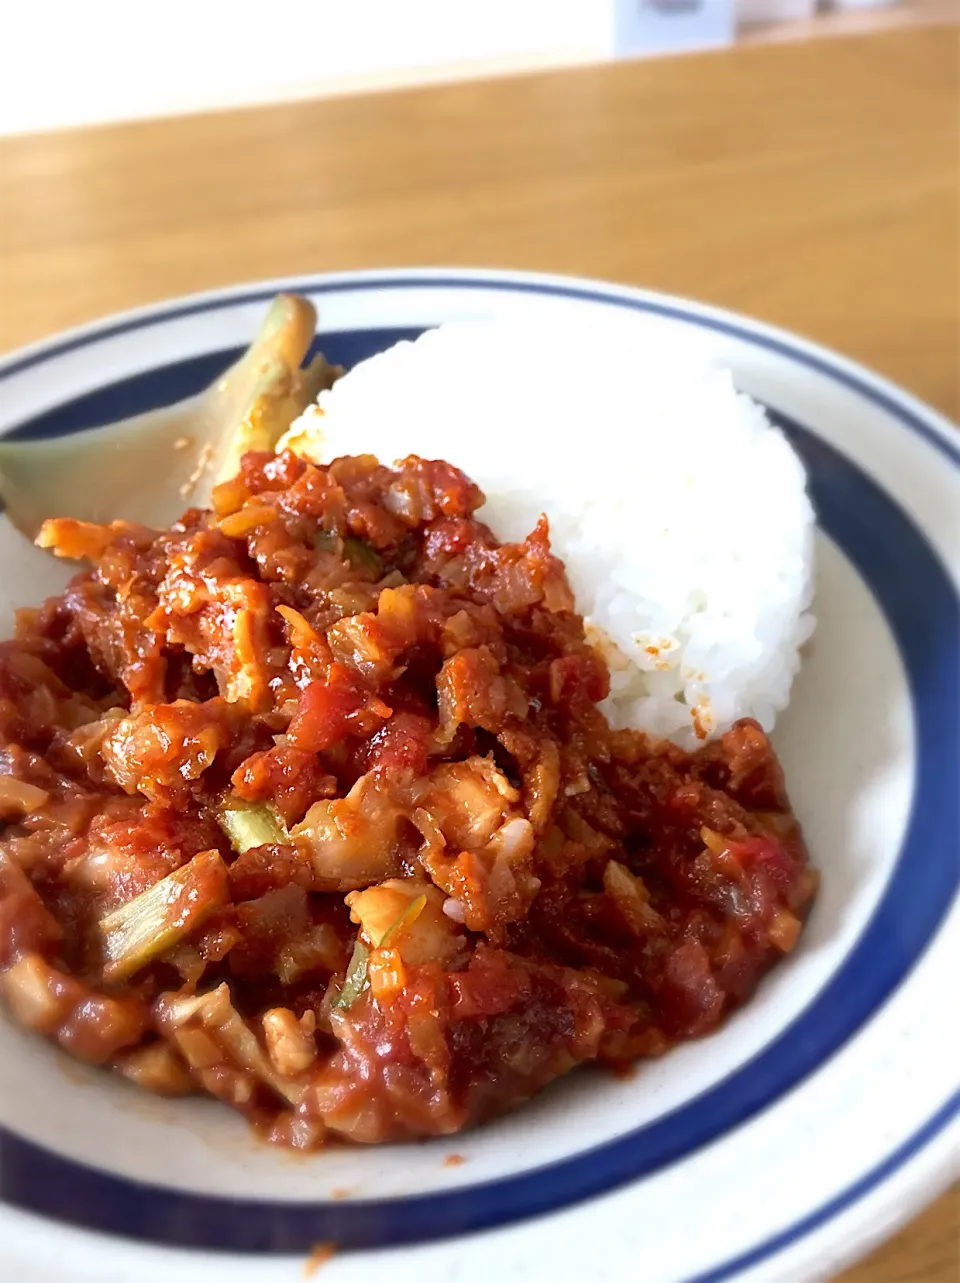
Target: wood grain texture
[(927, 1251), (814, 185)]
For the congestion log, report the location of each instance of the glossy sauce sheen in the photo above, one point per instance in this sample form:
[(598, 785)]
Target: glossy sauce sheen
[(468, 883)]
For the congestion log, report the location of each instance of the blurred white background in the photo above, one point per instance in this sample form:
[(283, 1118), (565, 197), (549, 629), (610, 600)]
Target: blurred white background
[(73, 62)]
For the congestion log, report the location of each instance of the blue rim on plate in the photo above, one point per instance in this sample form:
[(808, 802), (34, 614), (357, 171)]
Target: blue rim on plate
[(854, 511)]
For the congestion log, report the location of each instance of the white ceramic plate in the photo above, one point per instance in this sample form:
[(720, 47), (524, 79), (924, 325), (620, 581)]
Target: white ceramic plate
[(818, 1119)]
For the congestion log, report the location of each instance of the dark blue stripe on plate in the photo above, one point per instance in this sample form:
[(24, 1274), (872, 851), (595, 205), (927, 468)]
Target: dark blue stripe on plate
[(151, 389), (909, 583), (853, 1193), (721, 323)]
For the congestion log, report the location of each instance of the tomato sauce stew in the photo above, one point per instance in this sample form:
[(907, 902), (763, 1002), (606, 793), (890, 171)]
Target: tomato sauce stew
[(308, 804)]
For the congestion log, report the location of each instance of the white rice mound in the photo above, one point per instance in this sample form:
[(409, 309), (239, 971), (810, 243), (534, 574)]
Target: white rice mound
[(680, 512)]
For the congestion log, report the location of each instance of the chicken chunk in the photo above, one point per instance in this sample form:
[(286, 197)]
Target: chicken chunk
[(354, 840)]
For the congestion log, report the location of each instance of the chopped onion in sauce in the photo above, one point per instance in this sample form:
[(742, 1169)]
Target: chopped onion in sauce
[(250, 824), (356, 977), (156, 919)]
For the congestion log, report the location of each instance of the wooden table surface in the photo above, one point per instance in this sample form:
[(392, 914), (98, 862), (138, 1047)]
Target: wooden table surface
[(813, 185)]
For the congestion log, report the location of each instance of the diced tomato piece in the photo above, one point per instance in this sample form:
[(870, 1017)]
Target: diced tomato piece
[(291, 778), (488, 987), (769, 855), (583, 675), (327, 709), (402, 743), (692, 1001)]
